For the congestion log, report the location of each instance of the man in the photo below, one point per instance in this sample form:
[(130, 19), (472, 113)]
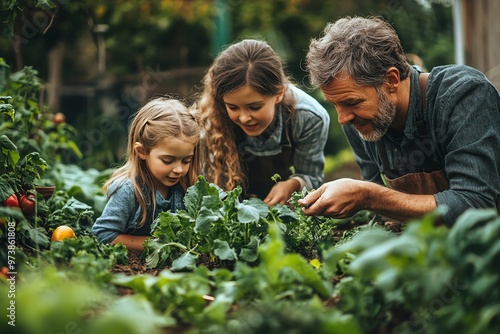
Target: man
[(421, 140)]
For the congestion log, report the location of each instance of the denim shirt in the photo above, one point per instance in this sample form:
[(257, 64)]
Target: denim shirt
[(310, 126), (122, 212), (462, 125)]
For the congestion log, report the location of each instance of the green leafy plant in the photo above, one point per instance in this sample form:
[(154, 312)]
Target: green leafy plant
[(215, 223)]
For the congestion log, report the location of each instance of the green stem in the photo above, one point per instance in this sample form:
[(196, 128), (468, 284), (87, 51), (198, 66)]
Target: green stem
[(181, 246)]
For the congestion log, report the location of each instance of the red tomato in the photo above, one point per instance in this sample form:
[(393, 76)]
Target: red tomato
[(28, 205), (4, 271), (12, 201)]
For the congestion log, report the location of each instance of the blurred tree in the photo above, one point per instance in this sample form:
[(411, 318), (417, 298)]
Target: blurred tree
[(168, 37)]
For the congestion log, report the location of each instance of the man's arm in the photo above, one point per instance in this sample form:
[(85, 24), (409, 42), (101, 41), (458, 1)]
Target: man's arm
[(344, 197)]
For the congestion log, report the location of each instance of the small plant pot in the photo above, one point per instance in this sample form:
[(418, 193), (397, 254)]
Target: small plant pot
[(45, 191)]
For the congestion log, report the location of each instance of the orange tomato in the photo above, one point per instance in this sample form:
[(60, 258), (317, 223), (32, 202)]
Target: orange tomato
[(59, 118), (63, 232)]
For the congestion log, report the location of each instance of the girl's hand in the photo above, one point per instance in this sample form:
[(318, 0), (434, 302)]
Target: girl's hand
[(282, 192)]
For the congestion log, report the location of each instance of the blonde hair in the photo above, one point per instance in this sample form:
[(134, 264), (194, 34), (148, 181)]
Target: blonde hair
[(158, 120), (250, 63)]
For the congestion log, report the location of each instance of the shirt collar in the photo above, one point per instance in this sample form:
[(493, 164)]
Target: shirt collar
[(415, 111)]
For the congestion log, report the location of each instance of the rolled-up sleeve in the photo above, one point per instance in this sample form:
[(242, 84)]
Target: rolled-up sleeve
[(117, 216)]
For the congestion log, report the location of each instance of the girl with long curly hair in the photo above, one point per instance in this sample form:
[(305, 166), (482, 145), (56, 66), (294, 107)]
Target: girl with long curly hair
[(258, 124)]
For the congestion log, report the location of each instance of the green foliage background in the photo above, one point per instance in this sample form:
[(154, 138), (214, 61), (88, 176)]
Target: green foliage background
[(170, 35)]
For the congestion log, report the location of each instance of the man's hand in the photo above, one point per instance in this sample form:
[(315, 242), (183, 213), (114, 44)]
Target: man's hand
[(282, 192), (344, 197), (340, 198)]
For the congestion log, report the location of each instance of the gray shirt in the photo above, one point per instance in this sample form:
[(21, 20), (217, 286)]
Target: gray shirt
[(122, 212), (462, 121)]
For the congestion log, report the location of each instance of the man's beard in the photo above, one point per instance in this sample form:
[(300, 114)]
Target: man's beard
[(383, 119)]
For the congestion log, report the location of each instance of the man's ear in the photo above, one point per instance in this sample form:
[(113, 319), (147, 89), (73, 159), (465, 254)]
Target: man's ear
[(392, 79), (140, 150)]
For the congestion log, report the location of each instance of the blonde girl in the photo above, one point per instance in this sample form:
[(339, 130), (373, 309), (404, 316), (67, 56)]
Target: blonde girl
[(258, 124), (162, 161)]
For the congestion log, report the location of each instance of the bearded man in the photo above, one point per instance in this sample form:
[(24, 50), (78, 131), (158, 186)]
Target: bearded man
[(421, 140)]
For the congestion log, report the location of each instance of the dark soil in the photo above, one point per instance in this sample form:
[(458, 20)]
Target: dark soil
[(135, 266)]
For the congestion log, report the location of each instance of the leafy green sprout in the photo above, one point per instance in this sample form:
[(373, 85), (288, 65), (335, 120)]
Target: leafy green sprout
[(276, 177)]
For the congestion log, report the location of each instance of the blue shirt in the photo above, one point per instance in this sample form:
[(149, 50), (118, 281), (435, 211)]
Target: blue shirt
[(309, 134), (462, 119), (122, 212)]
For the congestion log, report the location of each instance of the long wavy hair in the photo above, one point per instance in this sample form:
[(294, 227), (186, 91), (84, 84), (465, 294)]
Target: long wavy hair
[(363, 48), (160, 120), (250, 63)]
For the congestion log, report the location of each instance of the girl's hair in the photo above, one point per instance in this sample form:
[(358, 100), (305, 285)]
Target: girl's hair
[(250, 63), (160, 120), (363, 48)]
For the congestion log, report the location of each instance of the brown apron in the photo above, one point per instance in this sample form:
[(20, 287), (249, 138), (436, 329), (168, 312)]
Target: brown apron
[(422, 183), (260, 169)]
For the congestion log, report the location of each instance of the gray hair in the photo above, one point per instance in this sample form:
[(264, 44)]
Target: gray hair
[(363, 48)]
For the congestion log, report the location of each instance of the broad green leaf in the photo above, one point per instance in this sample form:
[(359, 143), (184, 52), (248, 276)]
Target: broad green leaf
[(131, 314), (338, 322), (15, 213), (205, 219), (195, 193), (6, 108), (212, 202), (247, 213), (483, 286), (154, 251), (467, 221), (162, 226), (365, 239), (139, 283), (5, 190), (223, 251), (7, 144), (250, 253), (258, 205), (186, 261), (307, 274), (380, 257), (285, 213), (37, 235)]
